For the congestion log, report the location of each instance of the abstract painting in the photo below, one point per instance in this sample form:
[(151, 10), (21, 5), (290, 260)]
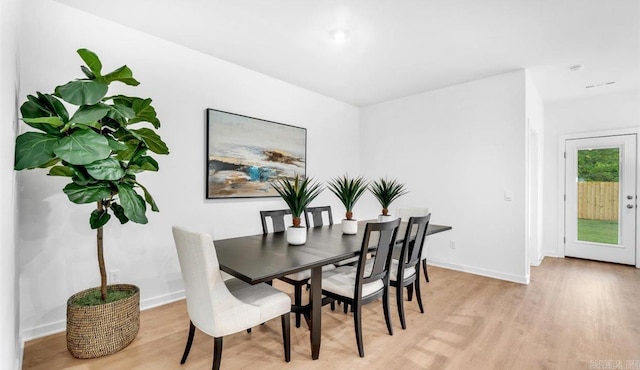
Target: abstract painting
[(245, 154)]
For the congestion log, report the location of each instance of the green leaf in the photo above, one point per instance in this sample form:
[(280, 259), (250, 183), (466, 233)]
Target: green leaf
[(151, 140), (34, 149), (149, 198), (127, 154), (32, 108), (81, 177), (99, 219), (143, 163), (133, 204), (54, 106), (122, 74), (105, 169), (89, 114), (81, 194), (61, 171), (144, 112), (83, 147), (49, 125), (92, 61), (118, 211), (116, 145), (122, 111), (51, 121), (82, 92), (87, 72)]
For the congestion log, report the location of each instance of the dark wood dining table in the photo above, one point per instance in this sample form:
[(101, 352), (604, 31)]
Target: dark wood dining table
[(261, 258)]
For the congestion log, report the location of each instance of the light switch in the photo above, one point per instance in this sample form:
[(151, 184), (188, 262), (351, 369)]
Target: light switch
[(508, 196)]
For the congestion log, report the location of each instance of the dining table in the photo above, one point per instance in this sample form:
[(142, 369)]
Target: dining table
[(262, 258)]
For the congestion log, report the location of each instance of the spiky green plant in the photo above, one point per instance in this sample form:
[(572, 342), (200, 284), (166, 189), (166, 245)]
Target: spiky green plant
[(348, 190), (297, 194), (100, 147), (386, 191)]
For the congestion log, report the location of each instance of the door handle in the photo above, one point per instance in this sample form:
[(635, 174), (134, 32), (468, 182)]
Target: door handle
[(629, 206), (629, 197)]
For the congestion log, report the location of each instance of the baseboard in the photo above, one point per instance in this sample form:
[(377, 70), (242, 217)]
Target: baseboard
[(552, 254), (60, 326), (538, 262), (479, 271)]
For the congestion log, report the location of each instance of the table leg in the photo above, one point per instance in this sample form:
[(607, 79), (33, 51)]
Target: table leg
[(315, 301)]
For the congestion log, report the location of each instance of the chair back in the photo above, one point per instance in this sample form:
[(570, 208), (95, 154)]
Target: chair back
[(204, 286), (405, 213), (277, 220), (316, 214), (386, 232), (413, 242)]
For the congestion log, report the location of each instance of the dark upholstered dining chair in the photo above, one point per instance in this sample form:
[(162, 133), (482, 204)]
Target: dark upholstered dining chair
[(298, 279), (405, 214), (369, 280), (405, 271), (316, 216)]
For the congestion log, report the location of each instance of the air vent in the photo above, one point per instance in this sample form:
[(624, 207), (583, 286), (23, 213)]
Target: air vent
[(601, 84)]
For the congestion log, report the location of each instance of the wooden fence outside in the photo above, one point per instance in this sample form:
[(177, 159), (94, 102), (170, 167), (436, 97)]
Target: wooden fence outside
[(598, 200)]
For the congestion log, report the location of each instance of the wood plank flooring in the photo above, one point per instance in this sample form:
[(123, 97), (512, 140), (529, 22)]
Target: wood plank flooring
[(572, 315)]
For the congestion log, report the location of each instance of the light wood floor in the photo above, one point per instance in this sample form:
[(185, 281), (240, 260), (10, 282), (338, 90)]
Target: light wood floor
[(573, 312)]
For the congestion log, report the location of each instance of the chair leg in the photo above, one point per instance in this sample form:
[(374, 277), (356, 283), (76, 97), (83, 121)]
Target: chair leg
[(400, 303), (418, 294), (217, 353), (424, 268), (192, 331), (357, 323), (409, 293), (297, 297), (385, 307), (346, 307), (286, 336)]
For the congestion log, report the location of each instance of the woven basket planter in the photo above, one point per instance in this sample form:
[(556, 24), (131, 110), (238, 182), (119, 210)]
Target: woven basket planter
[(95, 331)]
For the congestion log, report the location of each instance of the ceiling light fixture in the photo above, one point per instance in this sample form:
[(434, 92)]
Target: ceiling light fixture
[(339, 34)]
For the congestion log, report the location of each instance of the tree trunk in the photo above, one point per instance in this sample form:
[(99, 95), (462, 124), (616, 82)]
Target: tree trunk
[(349, 215), (385, 211), (103, 271), (296, 221)]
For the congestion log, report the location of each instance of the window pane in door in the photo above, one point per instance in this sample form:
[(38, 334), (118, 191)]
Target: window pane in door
[(598, 195)]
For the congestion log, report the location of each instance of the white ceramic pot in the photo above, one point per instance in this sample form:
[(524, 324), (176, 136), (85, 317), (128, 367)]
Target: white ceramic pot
[(349, 227), (296, 235), (387, 218)]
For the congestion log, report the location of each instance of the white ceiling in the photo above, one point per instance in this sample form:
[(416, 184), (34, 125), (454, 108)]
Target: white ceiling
[(402, 47)]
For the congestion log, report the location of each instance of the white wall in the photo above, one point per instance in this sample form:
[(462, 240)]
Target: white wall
[(10, 344), (596, 114), (57, 247), (458, 149), (535, 160)]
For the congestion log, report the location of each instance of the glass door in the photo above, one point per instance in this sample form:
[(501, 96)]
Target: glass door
[(600, 198)]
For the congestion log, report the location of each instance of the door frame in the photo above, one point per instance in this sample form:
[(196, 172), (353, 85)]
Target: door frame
[(562, 186)]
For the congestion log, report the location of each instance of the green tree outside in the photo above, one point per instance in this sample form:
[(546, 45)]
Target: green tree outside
[(599, 165)]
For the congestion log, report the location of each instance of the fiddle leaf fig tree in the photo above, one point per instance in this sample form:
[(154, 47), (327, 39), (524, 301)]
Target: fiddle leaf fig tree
[(100, 147)]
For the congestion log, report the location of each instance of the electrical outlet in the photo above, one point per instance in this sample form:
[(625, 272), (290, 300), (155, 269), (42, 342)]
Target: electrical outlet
[(452, 244), (114, 276)]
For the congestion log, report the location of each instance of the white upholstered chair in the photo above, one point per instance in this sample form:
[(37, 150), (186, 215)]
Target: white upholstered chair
[(405, 214), (218, 307)]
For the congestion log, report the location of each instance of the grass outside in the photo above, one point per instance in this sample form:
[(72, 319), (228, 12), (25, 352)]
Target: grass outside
[(598, 231)]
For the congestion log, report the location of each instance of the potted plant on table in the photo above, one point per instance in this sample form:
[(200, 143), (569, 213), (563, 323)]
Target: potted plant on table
[(386, 191), (298, 194), (101, 148), (348, 190)]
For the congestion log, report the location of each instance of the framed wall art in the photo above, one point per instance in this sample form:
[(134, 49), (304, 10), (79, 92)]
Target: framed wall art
[(244, 154)]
